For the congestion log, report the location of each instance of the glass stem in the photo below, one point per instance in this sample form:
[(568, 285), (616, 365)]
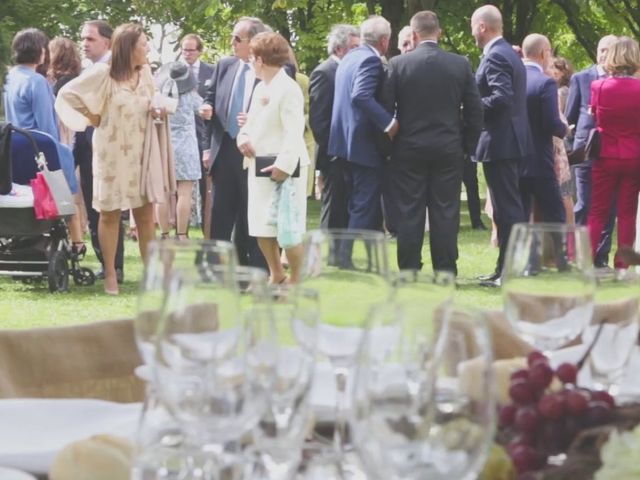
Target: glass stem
[(340, 432)]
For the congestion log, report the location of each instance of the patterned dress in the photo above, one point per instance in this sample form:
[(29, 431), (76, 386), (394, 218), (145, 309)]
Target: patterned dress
[(119, 139), (184, 139)]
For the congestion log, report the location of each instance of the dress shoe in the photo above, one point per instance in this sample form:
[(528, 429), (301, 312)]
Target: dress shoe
[(497, 283), (479, 226), (489, 278)]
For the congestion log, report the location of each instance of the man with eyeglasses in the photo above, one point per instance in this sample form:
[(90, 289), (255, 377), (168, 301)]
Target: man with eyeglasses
[(538, 179), (191, 50), (228, 95), (333, 170)]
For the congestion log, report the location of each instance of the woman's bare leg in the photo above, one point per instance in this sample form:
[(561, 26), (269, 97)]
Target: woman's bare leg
[(294, 255), (108, 228), (271, 251), (146, 228), (183, 207)]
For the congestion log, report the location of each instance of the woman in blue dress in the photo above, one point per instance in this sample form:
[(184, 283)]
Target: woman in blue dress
[(182, 84)]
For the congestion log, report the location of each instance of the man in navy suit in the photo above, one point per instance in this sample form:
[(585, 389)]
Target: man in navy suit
[(577, 113), (335, 178), (538, 180), (359, 120), (191, 50), (505, 140), (229, 93)]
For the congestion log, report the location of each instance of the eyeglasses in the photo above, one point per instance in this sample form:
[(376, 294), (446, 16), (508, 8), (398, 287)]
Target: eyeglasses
[(238, 38)]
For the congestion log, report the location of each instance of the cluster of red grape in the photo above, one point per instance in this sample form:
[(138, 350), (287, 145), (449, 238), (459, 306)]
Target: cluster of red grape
[(544, 422)]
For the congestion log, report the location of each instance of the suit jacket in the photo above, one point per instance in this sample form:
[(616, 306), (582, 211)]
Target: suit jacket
[(357, 116), (502, 81), (218, 96), (615, 103), (204, 81), (321, 90), (545, 123), (427, 87), (275, 123), (577, 108)]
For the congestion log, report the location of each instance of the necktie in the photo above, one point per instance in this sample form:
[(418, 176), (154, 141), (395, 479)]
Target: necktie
[(237, 102)]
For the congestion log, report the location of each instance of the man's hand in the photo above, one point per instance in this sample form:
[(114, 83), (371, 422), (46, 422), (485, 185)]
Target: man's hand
[(247, 149), (206, 111), (277, 175), (393, 131), (206, 159)]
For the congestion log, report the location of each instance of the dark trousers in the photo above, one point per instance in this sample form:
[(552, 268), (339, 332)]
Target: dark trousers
[(335, 195), (415, 185), (503, 182), (582, 174), (83, 153), (365, 211), (229, 210), (545, 192), (470, 180)]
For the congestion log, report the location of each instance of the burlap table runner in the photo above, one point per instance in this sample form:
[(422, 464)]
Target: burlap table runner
[(96, 360)]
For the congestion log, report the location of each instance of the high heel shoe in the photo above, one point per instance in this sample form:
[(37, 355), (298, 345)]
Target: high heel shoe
[(78, 250)]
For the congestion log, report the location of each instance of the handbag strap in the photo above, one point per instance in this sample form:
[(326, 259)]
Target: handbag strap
[(39, 157)]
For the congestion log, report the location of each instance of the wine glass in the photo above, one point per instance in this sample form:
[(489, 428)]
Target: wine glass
[(613, 329), (349, 270), (424, 406), (548, 283), (284, 332)]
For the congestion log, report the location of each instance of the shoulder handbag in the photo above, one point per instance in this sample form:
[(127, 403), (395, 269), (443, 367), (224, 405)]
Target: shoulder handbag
[(591, 149), (268, 160)]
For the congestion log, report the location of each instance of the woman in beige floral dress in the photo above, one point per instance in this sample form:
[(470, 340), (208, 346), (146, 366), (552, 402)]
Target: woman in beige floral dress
[(116, 99)]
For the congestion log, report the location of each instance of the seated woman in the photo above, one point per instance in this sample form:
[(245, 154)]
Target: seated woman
[(275, 127)]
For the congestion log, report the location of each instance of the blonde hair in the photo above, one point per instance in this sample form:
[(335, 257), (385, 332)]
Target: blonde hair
[(623, 57)]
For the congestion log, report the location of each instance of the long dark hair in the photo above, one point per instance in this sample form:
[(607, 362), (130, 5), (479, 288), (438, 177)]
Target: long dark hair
[(123, 44)]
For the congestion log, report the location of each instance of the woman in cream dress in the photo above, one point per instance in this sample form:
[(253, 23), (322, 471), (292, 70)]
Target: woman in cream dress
[(115, 98), (275, 126)]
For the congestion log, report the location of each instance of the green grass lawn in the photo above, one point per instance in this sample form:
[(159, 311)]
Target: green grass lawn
[(23, 306)]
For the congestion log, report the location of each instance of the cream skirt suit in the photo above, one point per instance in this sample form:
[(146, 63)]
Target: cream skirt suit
[(275, 126)]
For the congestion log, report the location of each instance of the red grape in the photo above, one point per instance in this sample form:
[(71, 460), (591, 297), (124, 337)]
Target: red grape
[(552, 437), (527, 419), (535, 357), (521, 391), (598, 413), (507, 415), (567, 373), (551, 406), (522, 374), (525, 459), (603, 396), (577, 401), (541, 375)]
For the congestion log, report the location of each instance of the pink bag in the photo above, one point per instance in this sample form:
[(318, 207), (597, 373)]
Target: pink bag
[(43, 201)]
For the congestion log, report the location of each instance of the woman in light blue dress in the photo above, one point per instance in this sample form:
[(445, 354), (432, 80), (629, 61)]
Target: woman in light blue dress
[(182, 84)]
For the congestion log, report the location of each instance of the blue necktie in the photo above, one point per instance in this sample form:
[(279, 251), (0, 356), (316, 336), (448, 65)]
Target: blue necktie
[(237, 102)]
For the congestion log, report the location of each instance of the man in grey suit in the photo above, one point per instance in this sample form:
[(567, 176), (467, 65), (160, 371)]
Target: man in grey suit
[(229, 93), (438, 106), (333, 171), (191, 50)]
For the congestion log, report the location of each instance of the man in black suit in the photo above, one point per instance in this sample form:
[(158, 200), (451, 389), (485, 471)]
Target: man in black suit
[(333, 170), (428, 87), (538, 180), (505, 140), (191, 50), (232, 83)]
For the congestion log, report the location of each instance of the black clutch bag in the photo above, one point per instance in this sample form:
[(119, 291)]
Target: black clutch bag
[(268, 160)]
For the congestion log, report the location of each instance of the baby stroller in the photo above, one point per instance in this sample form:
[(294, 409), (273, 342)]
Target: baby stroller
[(30, 249)]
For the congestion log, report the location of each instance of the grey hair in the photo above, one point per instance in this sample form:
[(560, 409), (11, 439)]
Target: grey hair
[(256, 25), (374, 29), (339, 37)]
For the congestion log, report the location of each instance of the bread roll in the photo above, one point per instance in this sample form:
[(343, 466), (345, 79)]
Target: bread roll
[(101, 457)]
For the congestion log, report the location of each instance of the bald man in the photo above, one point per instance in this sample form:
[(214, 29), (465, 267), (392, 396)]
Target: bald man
[(577, 113), (538, 180), (506, 140)]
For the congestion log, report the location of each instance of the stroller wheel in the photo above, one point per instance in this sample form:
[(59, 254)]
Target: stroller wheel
[(84, 277), (58, 272)]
